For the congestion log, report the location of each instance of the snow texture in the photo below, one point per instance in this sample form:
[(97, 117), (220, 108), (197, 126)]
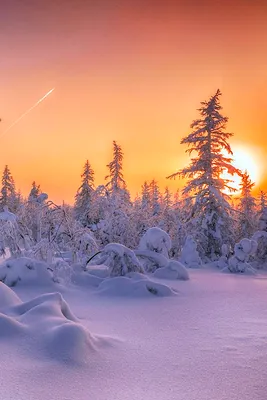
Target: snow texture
[(207, 343)]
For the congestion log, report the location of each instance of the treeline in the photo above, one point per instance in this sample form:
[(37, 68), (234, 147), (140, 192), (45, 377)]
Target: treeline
[(202, 209)]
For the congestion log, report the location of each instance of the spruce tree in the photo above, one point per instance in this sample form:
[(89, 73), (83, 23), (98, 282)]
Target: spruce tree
[(211, 210), (84, 195), (35, 192), (9, 196), (116, 184), (247, 207)]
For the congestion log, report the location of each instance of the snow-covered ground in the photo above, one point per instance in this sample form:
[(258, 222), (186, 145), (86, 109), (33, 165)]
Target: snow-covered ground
[(208, 342)]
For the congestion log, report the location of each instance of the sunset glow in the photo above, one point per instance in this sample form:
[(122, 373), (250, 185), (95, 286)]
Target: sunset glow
[(129, 71)]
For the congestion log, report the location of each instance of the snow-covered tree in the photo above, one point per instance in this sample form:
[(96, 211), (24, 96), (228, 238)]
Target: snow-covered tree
[(116, 184), (247, 217), (154, 197), (84, 196), (9, 196), (145, 196), (262, 201), (189, 255), (35, 192), (206, 184)]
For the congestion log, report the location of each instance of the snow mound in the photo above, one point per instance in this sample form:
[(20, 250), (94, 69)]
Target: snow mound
[(84, 278), (25, 271), (189, 255), (128, 287), (8, 298), (174, 270), (157, 240), (49, 327)]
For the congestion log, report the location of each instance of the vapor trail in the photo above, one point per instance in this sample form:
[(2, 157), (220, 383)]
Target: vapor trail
[(26, 112)]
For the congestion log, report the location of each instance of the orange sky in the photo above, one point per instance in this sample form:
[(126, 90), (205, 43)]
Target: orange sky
[(132, 71)]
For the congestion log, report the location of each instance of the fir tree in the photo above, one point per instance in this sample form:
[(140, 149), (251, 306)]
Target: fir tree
[(262, 201), (155, 197), (247, 208), (211, 210), (116, 184), (35, 192), (84, 195), (9, 195), (145, 202)]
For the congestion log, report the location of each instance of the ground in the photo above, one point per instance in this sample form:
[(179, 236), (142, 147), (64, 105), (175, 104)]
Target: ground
[(209, 342)]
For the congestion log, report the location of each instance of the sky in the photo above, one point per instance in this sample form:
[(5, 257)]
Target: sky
[(134, 71)]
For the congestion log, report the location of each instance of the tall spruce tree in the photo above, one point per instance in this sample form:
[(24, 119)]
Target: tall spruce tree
[(247, 221), (84, 195), (9, 196), (116, 184), (211, 209)]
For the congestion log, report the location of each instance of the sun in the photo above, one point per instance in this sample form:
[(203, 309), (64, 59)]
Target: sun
[(246, 159)]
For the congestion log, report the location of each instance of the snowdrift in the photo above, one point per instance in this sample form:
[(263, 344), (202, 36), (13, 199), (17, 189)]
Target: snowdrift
[(133, 287), (46, 325), (173, 270), (25, 271)]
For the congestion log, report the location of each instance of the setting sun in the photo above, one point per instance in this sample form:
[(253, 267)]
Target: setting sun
[(246, 159)]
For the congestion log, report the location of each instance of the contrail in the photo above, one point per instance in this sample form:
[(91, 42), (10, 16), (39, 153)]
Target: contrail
[(26, 112)]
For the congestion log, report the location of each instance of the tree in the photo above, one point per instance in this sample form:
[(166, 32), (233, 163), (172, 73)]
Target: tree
[(35, 192), (247, 207), (9, 195), (262, 200), (84, 195), (154, 197), (116, 183), (211, 209), (145, 196)]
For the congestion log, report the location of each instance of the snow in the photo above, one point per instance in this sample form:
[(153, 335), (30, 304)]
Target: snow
[(157, 240), (173, 270), (133, 287), (25, 271), (57, 333), (208, 342), (7, 216)]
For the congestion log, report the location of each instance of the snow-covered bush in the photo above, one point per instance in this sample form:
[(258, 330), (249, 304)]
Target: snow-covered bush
[(157, 240), (62, 271), (189, 255), (119, 259), (239, 262), (25, 271), (151, 260), (223, 260)]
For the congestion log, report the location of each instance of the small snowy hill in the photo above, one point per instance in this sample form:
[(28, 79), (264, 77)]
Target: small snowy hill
[(47, 327)]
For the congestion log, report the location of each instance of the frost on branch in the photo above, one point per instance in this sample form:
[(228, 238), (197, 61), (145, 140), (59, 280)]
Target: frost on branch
[(119, 259), (239, 262)]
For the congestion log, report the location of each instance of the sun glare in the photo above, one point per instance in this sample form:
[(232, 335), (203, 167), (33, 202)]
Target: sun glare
[(246, 159)]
